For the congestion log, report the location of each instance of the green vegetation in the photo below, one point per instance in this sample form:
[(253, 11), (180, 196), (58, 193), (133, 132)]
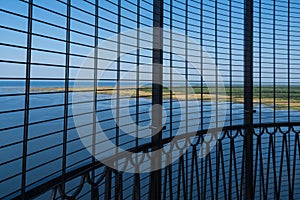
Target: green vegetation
[(264, 95)]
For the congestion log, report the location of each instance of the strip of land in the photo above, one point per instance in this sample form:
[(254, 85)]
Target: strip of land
[(283, 96)]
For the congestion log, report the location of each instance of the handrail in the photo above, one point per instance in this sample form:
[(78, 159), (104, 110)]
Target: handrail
[(84, 170)]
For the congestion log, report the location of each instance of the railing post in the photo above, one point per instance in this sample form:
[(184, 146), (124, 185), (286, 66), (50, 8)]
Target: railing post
[(27, 99), (248, 99), (157, 81)]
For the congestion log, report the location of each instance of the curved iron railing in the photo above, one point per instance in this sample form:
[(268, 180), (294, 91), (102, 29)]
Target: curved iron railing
[(255, 44), (219, 175)]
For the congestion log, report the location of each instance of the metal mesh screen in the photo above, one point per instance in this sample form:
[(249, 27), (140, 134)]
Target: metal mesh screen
[(45, 44)]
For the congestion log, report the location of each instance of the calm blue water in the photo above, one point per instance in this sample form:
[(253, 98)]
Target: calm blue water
[(48, 148), (44, 84)]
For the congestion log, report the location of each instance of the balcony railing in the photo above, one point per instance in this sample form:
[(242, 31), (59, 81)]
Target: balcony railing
[(166, 66), (219, 175)]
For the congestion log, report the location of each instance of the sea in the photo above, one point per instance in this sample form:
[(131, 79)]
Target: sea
[(46, 123)]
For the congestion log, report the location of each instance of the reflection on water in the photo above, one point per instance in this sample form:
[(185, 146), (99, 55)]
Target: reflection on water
[(45, 139)]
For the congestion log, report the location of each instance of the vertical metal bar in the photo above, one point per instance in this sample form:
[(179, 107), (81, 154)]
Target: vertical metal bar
[(194, 153), (216, 64), (66, 95), (171, 97), (137, 104), (118, 73), (274, 62), (94, 189), (289, 62), (230, 95), (261, 190), (217, 177), (216, 113), (186, 68), (224, 172), (201, 90), (27, 98), (230, 60), (136, 187), (107, 189), (201, 62), (248, 98), (171, 69), (157, 81), (260, 60), (186, 91), (118, 182), (274, 98), (289, 96)]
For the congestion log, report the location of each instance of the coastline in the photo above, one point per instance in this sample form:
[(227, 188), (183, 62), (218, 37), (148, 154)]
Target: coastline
[(179, 93)]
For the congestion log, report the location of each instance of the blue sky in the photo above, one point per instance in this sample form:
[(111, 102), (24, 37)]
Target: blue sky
[(83, 31)]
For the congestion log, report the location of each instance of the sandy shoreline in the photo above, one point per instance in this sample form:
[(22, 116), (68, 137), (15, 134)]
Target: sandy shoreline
[(179, 93)]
